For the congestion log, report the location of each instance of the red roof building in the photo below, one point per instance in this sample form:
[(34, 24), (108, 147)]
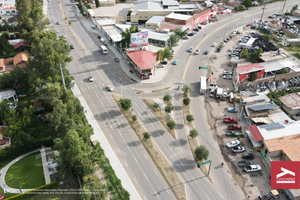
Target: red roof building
[(255, 133), (143, 62), (244, 72)]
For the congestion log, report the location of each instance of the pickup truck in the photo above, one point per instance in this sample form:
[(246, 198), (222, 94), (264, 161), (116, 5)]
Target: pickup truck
[(252, 168), (234, 127), (230, 120)]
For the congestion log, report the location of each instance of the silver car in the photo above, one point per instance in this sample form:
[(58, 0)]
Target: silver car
[(191, 49), (91, 79), (227, 76)]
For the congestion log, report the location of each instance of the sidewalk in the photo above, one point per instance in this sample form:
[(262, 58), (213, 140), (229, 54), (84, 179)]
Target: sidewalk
[(4, 170), (45, 168), (99, 136)]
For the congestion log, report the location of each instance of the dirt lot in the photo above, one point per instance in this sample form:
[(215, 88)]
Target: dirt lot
[(254, 185)]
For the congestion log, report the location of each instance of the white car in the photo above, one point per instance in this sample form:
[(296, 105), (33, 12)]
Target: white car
[(197, 51), (63, 35), (238, 149), (227, 76), (161, 66), (191, 49), (227, 73), (214, 45), (252, 168), (91, 79), (110, 88), (233, 143)]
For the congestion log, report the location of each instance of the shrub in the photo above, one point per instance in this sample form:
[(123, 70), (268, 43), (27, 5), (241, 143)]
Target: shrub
[(186, 101), (134, 118), (146, 135), (190, 118), (156, 105), (171, 124)]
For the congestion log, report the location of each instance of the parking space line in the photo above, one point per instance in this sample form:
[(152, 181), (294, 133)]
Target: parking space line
[(135, 181), (156, 195), (171, 148), (194, 179)]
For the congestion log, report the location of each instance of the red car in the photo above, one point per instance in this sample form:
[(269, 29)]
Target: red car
[(230, 120), (234, 127)]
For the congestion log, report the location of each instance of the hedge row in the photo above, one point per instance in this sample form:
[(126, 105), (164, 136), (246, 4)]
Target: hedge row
[(31, 192)]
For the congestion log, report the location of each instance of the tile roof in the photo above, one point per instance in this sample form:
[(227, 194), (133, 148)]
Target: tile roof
[(291, 100), (6, 61), (249, 68), (20, 57), (255, 133), (289, 145), (2, 63), (143, 59)]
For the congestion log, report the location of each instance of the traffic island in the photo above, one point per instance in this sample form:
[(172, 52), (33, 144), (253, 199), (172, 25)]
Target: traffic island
[(186, 111), (160, 114), (164, 89), (164, 167)]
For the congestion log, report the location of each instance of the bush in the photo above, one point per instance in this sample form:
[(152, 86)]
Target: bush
[(134, 118), (169, 108), (167, 98), (190, 118), (236, 8), (156, 105), (186, 101), (171, 124), (201, 153), (146, 135), (253, 76)]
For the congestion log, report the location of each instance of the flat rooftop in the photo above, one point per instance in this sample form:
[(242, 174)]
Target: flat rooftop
[(245, 69), (291, 101), (289, 145), (113, 32), (119, 9), (179, 16), (156, 19)]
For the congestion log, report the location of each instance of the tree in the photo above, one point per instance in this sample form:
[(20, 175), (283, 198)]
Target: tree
[(5, 47), (167, 54), (146, 135), (201, 153), (171, 124), (134, 118), (125, 42), (17, 77), (94, 189), (253, 76), (167, 98), (57, 118), (247, 3), (186, 101), (160, 55), (284, 71), (156, 105), (122, 1), (259, 51), (294, 8), (180, 33), (172, 40), (186, 89), (125, 104), (169, 108), (266, 37), (253, 57), (193, 133), (236, 8), (97, 3), (242, 7), (190, 118)]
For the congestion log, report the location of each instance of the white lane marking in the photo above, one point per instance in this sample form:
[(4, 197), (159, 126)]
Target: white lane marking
[(155, 172), (145, 198), (136, 160), (146, 157), (88, 87), (167, 190), (97, 95), (145, 176), (194, 179), (95, 86), (118, 122), (182, 163), (120, 151), (120, 133), (94, 105), (207, 197), (81, 89), (135, 180), (127, 146), (111, 136), (170, 148), (136, 143), (220, 195), (102, 103), (135, 103), (126, 163), (156, 195), (110, 125)]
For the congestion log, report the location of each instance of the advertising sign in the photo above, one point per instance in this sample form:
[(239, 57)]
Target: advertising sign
[(140, 38), (285, 175)]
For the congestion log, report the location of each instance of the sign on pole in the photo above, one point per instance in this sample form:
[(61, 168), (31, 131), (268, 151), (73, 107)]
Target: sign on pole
[(204, 163)]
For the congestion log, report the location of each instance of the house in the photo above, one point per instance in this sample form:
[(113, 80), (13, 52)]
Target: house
[(7, 9), (244, 72), (21, 47), (291, 103), (20, 59), (143, 62)]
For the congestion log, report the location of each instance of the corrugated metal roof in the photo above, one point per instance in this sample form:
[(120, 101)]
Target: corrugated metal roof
[(250, 68), (263, 107), (255, 133)]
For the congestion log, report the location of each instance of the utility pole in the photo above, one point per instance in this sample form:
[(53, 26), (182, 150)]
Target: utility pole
[(262, 13), (283, 7)]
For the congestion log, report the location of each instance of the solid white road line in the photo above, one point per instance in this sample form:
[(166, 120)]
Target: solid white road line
[(145, 176), (136, 160), (167, 190)]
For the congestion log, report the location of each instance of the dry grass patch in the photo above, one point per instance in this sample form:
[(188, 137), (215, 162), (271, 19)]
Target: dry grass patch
[(164, 167), (161, 116), (164, 89), (186, 111)]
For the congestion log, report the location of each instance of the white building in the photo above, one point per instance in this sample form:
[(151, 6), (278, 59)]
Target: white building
[(10, 95), (8, 8)]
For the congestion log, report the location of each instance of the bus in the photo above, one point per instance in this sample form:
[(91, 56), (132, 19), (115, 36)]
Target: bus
[(103, 49), (202, 85)]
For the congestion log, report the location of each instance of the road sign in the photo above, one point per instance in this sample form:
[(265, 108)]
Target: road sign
[(203, 67), (211, 71), (204, 163)]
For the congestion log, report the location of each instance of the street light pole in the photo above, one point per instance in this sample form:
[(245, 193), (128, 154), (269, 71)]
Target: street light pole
[(162, 91)]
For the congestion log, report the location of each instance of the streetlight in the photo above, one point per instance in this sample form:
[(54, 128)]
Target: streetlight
[(162, 91)]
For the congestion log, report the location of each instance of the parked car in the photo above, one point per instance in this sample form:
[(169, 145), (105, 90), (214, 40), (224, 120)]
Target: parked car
[(227, 73), (219, 49), (91, 79), (185, 38), (191, 49), (234, 134), (175, 62), (232, 110), (109, 88), (195, 29), (227, 76), (190, 34), (161, 66), (234, 127), (233, 143), (248, 156), (230, 120), (63, 35), (212, 93), (173, 51), (245, 163), (214, 45), (238, 149), (252, 168), (131, 71), (205, 52), (197, 51), (71, 46), (116, 59), (164, 62)]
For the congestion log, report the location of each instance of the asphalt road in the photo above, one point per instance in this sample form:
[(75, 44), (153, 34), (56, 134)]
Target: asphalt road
[(88, 60), (132, 155)]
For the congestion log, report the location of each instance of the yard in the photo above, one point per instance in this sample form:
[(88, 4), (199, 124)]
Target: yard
[(27, 172)]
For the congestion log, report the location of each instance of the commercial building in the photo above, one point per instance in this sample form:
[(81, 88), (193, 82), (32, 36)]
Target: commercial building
[(243, 72), (291, 103)]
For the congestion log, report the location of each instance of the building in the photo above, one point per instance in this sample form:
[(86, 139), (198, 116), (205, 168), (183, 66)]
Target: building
[(8, 8), (4, 141), (142, 62), (10, 95), (243, 72), (155, 21), (291, 103), (20, 59)]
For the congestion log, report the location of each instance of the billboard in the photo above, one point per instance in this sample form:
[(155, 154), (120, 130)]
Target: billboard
[(140, 38)]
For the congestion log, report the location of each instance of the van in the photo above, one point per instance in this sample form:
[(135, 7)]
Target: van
[(103, 49)]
